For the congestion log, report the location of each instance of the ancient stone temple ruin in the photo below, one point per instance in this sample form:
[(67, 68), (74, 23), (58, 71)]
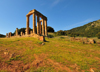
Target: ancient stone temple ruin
[(43, 20), (41, 28)]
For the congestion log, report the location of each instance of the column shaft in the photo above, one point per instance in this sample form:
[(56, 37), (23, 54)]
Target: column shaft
[(46, 28), (27, 26), (34, 23), (38, 28), (43, 27), (16, 31), (6, 35), (21, 33)]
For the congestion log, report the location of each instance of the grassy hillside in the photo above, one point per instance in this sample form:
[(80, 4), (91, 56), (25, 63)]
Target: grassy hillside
[(55, 55), (91, 28)]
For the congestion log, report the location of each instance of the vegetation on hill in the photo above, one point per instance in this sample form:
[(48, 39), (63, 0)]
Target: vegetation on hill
[(88, 30), (21, 30), (1, 35), (98, 35), (49, 29)]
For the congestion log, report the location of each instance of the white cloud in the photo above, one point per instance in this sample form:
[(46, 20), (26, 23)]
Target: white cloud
[(85, 21), (42, 4), (80, 23), (55, 3)]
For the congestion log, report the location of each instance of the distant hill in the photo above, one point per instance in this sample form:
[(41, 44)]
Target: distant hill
[(90, 29)]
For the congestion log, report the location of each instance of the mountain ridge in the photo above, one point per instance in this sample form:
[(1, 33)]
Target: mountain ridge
[(91, 28)]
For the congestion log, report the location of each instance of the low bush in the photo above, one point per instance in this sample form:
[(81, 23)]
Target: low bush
[(50, 36), (98, 35)]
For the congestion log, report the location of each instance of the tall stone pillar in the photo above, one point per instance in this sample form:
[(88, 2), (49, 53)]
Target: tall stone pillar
[(9, 34), (43, 27), (21, 33), (27, 26), (6, 35), (16, 31), (38, 26), (46, 28), (34, 23), (31, 32)]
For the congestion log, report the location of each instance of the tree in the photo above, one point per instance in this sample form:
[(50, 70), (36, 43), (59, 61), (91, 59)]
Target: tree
[(21, 30), (60, 32), (50, 29), (98, 35), (1, 35)]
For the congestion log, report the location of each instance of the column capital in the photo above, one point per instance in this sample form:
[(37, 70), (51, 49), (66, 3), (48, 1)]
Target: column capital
[(34, 13), (27, 15)]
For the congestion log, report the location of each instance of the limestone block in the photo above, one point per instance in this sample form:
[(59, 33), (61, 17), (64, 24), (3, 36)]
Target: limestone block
[(92, 41), (6, 53), (42, 38)]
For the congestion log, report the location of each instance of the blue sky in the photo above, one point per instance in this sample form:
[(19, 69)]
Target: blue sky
[(61, 14)]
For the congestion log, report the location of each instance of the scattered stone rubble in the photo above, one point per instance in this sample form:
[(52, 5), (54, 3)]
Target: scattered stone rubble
[(84, 40)]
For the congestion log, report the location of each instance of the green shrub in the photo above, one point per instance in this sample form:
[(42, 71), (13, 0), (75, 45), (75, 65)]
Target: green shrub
[(40, 42), (98, 35), (89, 36), (60, 32), (50, 36)]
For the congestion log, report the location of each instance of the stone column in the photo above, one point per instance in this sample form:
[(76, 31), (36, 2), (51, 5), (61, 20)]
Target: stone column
[(16, 31), (43, 27), (27, 26), (6, 35), (40, 27), (46, 28), (34, 23), (25, 31), (31, 32), (38, 30), (9, 34), (21, 33)]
